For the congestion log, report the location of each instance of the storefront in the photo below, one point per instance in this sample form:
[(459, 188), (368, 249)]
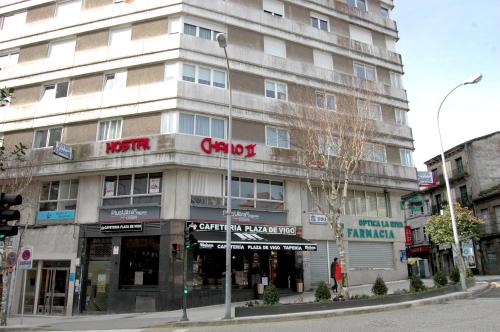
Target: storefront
[(261, 254)]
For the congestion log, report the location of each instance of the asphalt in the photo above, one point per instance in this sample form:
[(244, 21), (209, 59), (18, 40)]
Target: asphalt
[(212, 315)]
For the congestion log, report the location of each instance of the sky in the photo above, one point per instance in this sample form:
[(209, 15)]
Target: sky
[(443, 43)]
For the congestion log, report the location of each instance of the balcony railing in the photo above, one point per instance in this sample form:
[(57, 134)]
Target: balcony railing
[(363, 14)]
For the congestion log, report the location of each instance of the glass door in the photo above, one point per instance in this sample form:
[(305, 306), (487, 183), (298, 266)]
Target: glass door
[(96, 286), (54, 290)]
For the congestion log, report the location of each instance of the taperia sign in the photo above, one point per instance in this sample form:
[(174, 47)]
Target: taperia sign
[(374, 229)]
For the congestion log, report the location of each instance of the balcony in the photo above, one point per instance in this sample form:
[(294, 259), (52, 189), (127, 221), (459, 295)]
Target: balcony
[(365, 15)]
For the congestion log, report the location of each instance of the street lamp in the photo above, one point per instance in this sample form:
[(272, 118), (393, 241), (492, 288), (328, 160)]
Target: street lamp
[(221, 39), (473, 80)]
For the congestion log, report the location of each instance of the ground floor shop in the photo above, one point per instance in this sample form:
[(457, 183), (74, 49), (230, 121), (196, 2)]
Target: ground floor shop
[(489, 252)]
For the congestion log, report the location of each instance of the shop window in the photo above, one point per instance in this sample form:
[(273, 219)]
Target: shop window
[(135, 189), (58, 195), (249, 193), (139, 261), (366, 203), (47, 137)]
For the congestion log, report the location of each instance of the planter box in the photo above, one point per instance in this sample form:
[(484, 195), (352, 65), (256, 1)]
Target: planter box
[(307, 307)]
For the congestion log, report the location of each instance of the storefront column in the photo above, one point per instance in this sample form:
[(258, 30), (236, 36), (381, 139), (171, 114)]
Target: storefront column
[(37, 286)]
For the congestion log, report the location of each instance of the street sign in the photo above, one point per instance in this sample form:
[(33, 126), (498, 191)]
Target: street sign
[(25, 260), (11, 259), (63, 150)]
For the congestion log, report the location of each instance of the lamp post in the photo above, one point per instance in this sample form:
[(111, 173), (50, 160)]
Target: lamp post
[(475, 79), (221, 39)]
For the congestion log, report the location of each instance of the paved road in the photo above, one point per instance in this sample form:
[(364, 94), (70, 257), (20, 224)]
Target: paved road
[(480, 313)]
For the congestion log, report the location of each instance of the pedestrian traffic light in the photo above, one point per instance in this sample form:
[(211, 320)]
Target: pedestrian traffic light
[(6, 215), (175, 250), (189, 238)]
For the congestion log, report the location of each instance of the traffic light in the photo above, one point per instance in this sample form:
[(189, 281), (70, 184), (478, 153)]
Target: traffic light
[(6, 215), (175, 250), (189, 239)]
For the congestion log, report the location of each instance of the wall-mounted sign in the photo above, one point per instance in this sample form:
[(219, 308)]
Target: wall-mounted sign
[(62, 215), (426, 179), (25, 259), (259, 229), (125, 227), (408, 237), (374, 229), (318, 218), (124, 145), (63, 150), (402, 256), (199, 213), (208, 146), (143, 213)]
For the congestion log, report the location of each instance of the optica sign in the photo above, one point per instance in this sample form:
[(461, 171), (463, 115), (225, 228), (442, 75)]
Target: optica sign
[(209, 146)]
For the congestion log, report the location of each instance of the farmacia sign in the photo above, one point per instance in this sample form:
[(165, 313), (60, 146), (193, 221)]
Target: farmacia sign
[(374, 229)]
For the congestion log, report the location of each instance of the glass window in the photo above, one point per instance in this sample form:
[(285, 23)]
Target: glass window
[(202, 125), (384, 12), (219, 79), (135, 189), (330, 102), (374, 152), (204, 76), (58, 195), (406, 157), (246, 188), (320, 100), (47, 137), (62, 50), (188, 73), (40, 140), (276, 191), (283, 140), (365, 72), (120, 37), (124, 185), (270, 89), (371, 204), (257, 193), (350, 206), (360, 201), (281, 91), (54, 136), (218, 128), (381, 205), (139, 261), (109, 130), (190, 29), (115, 81), (69, 9), (186, 123), (271, 136), (277, 137), (263, 189), (62, 89), (49, 93), (401, 117), (205, 33)]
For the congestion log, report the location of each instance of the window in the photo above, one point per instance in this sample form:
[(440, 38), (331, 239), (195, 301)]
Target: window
[(119, 38), (206, 189), (47, 137), (326, 101), (274, 7), (8, 60), (330, 146), (360, 35), (58, 195), (372, 111), (365, 72), (54, 91), (256, 193), (110, 129), (439, 202), (277, 137), (360, 4), (323, 59), (396, 80), (200, 32), (384, 12), (115, 81), (200, 125), (134, 189), (401, 117), (374, 152), (14, 21), (463, 194), (204, 75), (273, 46), (406, 157), (366, 203), (320, 22), (276, 90), (460, 166), (68, 9), (139, 261), (62, 50)]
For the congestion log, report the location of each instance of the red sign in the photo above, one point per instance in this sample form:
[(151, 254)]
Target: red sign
[(133, 144), (419, 250), (209, 146), (408, 238)]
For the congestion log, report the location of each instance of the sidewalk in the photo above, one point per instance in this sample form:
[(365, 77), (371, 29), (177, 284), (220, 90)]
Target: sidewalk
[(213, 314)]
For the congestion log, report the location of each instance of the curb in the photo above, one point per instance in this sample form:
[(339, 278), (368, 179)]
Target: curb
[(329, 313)]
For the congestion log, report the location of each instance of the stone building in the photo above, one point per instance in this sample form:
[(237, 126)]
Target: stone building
[(138, 90)]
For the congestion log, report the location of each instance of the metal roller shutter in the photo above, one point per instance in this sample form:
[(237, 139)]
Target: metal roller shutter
[(374, 255), (332, 249), (319, 263)]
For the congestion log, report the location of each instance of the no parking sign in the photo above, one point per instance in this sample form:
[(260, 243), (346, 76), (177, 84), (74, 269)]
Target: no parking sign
[(25, 259)]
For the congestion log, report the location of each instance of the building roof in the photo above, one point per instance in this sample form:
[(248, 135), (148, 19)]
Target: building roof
[(458, 147)]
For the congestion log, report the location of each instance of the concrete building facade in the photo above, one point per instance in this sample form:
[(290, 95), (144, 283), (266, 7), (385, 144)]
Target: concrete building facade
[(139, 92)]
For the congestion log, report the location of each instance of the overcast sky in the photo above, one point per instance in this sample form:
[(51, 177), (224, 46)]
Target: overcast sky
[(443, 43)]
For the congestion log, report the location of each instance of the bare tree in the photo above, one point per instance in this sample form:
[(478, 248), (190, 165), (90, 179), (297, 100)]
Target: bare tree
[(331, 143)]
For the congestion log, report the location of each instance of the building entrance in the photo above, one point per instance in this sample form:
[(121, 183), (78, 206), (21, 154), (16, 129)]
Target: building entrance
[(54, 288)]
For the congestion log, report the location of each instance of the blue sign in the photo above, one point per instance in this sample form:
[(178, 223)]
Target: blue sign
[(402, 256), (63, 150), (62, 215), (72, 276)]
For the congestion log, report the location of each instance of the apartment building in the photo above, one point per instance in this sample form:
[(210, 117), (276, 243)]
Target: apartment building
[(139, 91), (474, 174)]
